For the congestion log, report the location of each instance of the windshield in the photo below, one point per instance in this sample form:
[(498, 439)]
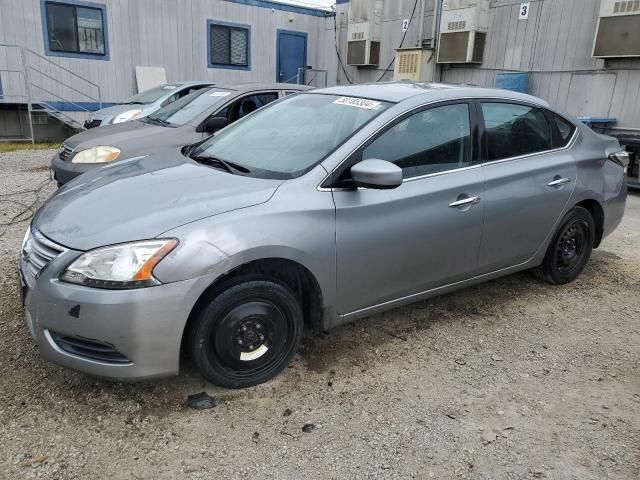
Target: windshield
[(287, 138), (151, 95), (189, 107)]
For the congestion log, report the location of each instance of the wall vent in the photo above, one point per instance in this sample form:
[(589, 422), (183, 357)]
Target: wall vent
[(460, 25), (39, 118), (463, 29), (627, 6), (363, 32), (413, 64), (618, 30)]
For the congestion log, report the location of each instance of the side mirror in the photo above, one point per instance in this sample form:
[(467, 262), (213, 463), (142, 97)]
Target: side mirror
[(213, 124), (377, 174)]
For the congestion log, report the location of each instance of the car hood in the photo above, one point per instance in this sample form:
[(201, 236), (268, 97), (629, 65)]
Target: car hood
[(121, 135), (114, 110), (141, 198)]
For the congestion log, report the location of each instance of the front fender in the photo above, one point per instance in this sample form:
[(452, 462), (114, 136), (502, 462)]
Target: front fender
[(302, 232)]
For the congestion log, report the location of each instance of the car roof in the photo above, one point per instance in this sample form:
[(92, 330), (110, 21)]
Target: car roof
[(397, 92), (189, 83), (248, 87)]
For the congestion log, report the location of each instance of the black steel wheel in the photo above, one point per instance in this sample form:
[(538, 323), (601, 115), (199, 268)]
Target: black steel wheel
[(246, 334), (570, 249)]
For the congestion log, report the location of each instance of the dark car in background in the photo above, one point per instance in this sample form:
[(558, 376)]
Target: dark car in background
[(143, 103), (185, 121)]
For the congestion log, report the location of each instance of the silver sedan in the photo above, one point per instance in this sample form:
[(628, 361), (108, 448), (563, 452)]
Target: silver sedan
[(322, 208)]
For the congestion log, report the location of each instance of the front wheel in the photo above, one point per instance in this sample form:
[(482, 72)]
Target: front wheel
[(570, 249), (247, 334)]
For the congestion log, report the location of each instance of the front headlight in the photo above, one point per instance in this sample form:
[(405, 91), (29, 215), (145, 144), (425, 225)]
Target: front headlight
[(129, 265), (126, 116), (101, 154)]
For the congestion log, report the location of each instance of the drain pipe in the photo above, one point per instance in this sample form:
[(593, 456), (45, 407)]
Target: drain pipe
[(435, 33), (423, 7)]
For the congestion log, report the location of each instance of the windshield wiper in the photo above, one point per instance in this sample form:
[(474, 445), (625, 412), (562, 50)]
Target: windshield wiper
[(158, 121), (219, 163), (133, 103)]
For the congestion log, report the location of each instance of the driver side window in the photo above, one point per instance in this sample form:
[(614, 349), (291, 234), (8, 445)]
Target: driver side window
[(430, 141), (246, 105)]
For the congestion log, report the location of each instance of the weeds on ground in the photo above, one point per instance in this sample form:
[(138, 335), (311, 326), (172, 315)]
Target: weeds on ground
[(13, 146)]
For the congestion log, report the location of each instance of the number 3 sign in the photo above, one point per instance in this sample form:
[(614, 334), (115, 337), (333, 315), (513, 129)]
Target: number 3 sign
[(524, 11)]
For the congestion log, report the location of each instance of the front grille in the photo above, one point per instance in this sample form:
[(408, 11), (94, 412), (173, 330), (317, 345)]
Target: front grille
[(92, 123), (36, 254), (90, 349), (65, 152)]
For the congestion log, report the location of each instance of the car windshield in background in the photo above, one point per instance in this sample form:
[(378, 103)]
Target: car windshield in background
[(287, 138), (151, 95), (187, 108)]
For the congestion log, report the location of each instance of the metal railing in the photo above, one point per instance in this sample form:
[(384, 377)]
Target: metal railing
[(307, 76), (30, 66), (312, 77)]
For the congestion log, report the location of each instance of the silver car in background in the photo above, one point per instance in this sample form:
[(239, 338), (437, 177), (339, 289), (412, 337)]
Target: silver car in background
[(319, 209), (143, 103)]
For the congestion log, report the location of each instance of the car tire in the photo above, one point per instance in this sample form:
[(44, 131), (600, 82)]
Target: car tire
[(569, 250), (246, 333)]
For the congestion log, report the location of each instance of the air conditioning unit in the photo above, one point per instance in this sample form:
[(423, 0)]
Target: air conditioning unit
[(618, 30), (363, 32), (463, 31), (413, 64)]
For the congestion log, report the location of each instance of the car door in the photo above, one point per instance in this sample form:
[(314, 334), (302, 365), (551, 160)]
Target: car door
[(244, 105), (423, 234), (529, 181)]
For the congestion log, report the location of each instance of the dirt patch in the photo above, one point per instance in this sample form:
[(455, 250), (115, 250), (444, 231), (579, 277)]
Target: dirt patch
[(39, 168), (509, 379)]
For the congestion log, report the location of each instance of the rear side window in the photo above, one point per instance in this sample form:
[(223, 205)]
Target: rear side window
[(565, 130), (513, 130), (431, 141)]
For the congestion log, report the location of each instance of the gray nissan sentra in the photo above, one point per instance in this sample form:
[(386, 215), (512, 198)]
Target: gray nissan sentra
[(322, 208)]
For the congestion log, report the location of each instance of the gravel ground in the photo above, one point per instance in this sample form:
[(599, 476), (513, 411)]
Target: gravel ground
[(510, 379)]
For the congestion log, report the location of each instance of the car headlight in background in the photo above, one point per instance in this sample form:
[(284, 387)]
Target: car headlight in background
[(128, 265), (126, 116), (102, 154)]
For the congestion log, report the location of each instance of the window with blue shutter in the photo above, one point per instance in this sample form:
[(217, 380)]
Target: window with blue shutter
[(229, 45), (75, 29)]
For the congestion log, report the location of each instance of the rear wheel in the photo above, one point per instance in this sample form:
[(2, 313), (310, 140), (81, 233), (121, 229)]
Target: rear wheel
[(247, 333), (570, 249)]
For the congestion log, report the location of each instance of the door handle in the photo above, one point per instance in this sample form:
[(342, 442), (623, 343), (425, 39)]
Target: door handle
[(558, 182), (465, 202)]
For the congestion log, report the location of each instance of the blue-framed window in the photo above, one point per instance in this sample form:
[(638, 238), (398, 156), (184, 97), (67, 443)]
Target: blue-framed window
[(74, 28), (229, 45)]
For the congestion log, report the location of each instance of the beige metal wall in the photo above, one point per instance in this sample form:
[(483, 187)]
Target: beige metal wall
[(391, 35), (167, 33), (554, 44)]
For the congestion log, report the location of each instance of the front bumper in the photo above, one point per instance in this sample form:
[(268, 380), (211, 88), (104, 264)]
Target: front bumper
[(66, 171), (143, 326)]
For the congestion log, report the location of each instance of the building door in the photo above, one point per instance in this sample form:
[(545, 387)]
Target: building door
[(292, 55)]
